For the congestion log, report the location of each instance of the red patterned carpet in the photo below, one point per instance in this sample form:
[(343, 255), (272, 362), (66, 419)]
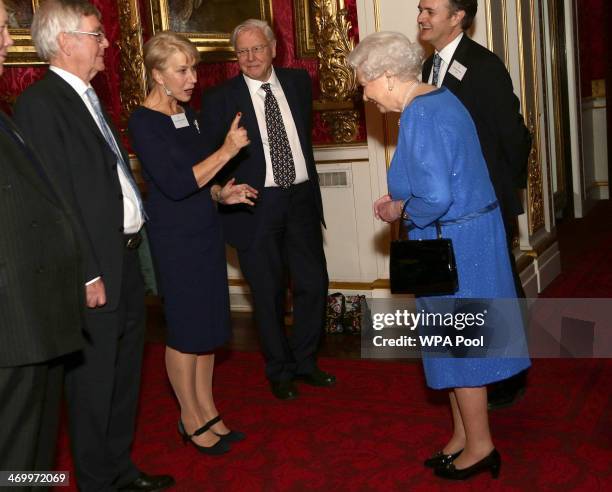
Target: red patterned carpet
[(372, 431)]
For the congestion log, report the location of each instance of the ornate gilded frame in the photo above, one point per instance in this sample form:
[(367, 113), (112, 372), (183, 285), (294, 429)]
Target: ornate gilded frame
[(23, 53), (213, 45), (304, 29)]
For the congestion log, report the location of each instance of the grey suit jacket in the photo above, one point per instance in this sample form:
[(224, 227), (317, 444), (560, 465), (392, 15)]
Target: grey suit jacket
[(41, 285)]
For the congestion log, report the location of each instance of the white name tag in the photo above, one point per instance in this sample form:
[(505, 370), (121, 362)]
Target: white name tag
[(180, 120), (457, 70)]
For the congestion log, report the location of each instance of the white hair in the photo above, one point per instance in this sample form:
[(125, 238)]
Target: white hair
[(387, 53), (54, 17), (251, 24)]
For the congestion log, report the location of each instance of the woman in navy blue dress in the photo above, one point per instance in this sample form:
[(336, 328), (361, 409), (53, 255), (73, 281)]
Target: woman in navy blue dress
[(185, 233), (438, 173)]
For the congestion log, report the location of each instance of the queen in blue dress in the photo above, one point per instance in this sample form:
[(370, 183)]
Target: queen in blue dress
[(185, 233), (438, 173)]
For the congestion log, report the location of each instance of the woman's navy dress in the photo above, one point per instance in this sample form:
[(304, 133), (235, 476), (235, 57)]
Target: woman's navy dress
[(184, 231), (439, 168)]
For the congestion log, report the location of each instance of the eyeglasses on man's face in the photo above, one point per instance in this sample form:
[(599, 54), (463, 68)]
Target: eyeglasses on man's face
[(99, 36), (255, 50)]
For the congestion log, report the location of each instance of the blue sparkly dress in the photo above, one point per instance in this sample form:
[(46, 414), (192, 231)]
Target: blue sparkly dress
[(439, 168)]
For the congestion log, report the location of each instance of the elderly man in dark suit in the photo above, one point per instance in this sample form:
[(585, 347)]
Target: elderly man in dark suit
[(41, 298), (62, 117), (282, 234), (481, 82)]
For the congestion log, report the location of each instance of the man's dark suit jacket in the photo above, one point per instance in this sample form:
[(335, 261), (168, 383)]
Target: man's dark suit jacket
[(86, 167), (41, 284), (219, 107), (486, 92)]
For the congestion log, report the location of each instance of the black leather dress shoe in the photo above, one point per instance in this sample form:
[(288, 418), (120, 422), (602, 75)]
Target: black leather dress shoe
[(148, 483), (441, 459), (491, 463), (317, 378), (284, 390)]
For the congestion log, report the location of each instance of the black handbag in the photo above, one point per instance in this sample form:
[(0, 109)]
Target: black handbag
[(423, 267)]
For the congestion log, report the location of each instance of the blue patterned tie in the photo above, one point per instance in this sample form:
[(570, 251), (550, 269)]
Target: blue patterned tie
[(283, 167), (437, 61), (112, 143)]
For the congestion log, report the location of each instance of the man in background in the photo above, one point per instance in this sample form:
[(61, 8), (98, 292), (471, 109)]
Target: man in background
[(281, 236), (63, 118), (482, 83)]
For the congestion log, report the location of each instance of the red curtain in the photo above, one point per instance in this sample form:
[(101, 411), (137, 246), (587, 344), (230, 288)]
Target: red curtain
[(592, 41)]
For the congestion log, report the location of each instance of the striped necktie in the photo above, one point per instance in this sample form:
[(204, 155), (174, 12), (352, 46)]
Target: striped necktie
[(112, 143)]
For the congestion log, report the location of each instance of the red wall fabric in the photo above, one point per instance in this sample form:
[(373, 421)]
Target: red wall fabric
[(592, 41), (16, 79), (211, 74), (107, 83)]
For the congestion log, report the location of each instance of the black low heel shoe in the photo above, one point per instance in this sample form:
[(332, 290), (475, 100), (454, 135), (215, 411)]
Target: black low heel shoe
[(231, 436), (441, 459), (220, 447), (491, 463)]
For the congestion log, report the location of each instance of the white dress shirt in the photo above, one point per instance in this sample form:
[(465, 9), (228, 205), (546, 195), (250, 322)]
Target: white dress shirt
[(132, 217), (446, 54), (258, 96)]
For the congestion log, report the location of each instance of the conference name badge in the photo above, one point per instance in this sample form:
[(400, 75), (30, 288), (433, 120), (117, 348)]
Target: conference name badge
[(457, 70), (180, 120)]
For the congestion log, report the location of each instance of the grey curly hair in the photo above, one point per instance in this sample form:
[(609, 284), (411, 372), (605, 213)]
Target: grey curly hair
[(387, 53)]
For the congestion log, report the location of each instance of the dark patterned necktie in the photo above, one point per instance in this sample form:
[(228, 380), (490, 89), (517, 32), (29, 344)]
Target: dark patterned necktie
[(283, 167), (437, 61)]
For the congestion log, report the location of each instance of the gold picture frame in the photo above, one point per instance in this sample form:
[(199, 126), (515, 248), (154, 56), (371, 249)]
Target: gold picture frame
[(208, 23), (304, 29), (22, 53)]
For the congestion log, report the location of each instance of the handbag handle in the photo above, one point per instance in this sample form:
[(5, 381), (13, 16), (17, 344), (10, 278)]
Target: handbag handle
[(404, 228)]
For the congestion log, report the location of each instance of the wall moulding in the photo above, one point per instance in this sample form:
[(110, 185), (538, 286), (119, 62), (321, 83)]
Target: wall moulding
[(336, 78), (22, 53), (133, 86)]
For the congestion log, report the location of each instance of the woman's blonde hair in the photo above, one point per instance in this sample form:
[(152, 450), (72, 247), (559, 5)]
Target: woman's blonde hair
[(161, 47)]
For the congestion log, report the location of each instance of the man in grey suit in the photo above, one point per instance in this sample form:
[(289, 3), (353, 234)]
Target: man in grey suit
[(41, 298), (62, 116)]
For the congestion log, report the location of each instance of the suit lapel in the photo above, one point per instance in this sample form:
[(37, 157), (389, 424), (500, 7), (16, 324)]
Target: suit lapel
[(79, 109), (461, 55), (426, 69), (293, 99), (244, 105), (39, 178)]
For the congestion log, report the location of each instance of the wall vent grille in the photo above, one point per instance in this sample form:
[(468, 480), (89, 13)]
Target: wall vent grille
[(334, 179)]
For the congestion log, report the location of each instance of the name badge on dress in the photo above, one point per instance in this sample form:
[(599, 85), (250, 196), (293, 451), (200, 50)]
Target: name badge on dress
[(180, 120), (457, 70)]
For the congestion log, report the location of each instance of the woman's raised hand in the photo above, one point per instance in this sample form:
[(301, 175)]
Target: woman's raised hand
[(236, 138)]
